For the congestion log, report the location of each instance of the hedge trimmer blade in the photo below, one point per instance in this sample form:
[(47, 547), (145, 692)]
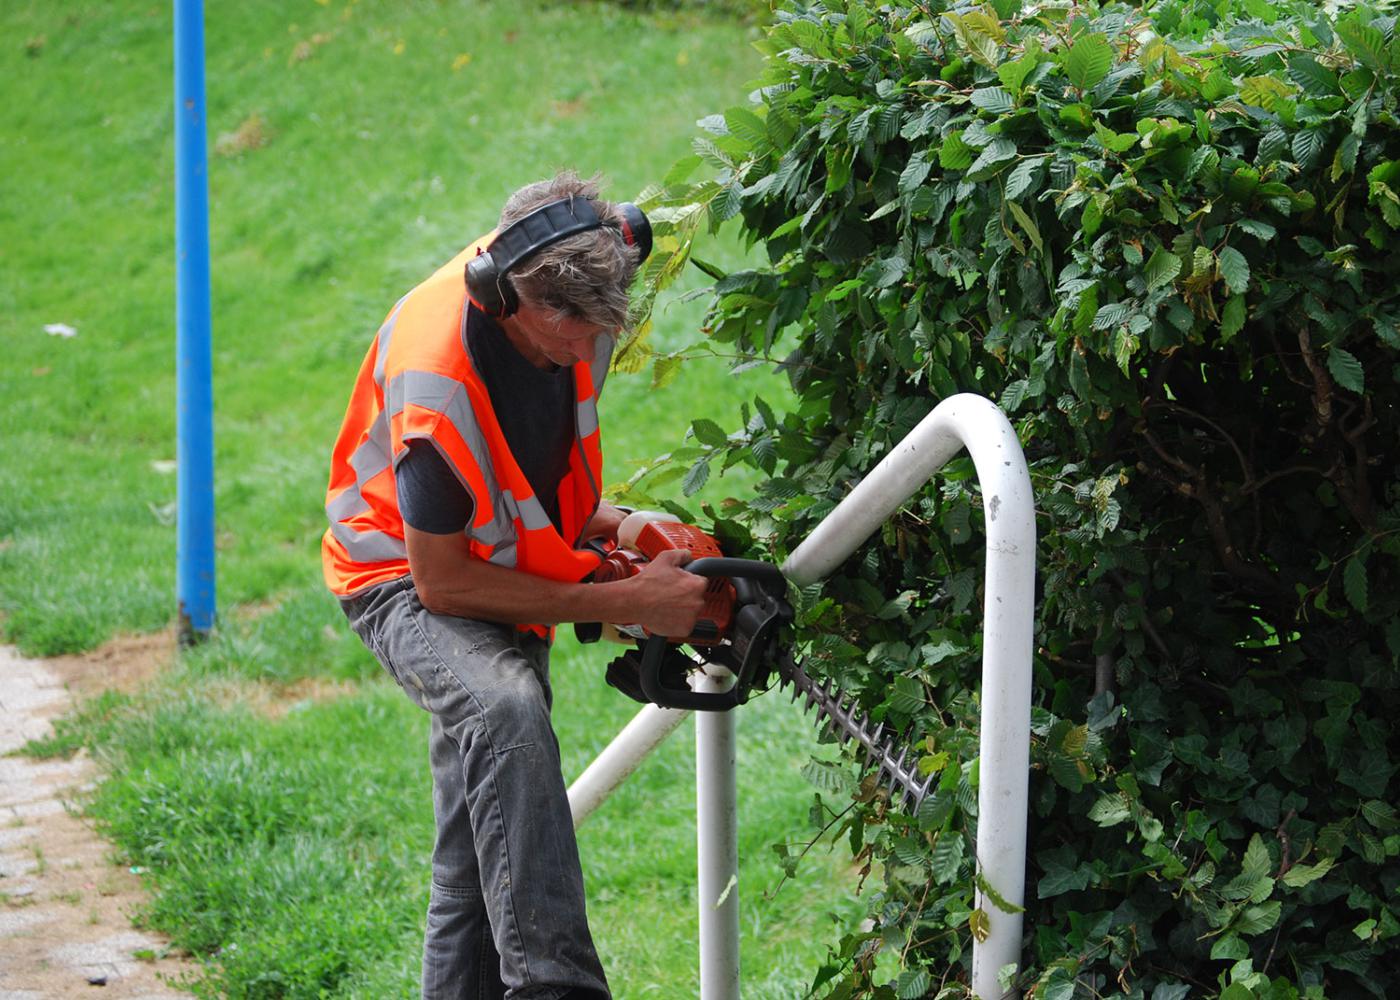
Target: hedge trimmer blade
[(837, 712)]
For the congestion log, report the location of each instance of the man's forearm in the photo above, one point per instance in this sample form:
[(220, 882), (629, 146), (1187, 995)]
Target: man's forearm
[(493, 593), (663, 598)]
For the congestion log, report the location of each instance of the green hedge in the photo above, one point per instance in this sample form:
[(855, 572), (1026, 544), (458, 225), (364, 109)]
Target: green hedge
[(1165, 240)]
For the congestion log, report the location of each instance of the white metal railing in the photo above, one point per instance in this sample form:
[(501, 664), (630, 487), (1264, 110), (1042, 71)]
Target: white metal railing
[(961, 421)]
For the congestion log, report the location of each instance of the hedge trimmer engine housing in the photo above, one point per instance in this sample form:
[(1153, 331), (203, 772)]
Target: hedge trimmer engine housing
[(745, 605), (746, 609), (656, 537)]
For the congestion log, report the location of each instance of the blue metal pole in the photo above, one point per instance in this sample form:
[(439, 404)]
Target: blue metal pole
[(194, 367)]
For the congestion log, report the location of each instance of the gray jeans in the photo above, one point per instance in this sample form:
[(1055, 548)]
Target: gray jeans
[(506, 912)]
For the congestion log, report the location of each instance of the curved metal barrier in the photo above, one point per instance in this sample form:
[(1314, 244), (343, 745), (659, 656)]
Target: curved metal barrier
[(962, 421)]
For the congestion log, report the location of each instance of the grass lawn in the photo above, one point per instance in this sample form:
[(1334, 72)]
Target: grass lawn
[(354, 146)]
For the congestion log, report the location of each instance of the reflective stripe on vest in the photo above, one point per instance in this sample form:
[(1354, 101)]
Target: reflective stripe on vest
[(381, 341)]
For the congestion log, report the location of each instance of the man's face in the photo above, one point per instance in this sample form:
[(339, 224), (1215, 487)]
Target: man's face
[(542, 336)]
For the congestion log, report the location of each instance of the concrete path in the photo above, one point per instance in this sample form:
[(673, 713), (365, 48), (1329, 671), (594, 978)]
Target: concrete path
[(65, 925)]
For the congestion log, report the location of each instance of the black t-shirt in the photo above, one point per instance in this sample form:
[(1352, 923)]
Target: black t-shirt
[(535, 407)]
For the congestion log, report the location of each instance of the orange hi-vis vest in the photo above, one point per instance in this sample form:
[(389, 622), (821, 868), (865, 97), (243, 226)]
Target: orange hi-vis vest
[(418, 382)]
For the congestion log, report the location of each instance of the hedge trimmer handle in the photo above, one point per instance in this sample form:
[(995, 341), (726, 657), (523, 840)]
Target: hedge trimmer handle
[(756, 583)]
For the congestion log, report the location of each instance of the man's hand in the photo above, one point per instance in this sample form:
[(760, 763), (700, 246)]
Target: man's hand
[(670, 600), (604, 523)]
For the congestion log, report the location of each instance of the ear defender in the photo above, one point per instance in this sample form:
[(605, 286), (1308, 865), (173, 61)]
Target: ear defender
[(488, 279), (636, 229)]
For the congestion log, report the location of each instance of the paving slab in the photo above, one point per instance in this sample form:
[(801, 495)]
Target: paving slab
[(65, 904)]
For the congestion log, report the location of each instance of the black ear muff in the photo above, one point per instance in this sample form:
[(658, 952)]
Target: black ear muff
[(494, 296), (636, 229)]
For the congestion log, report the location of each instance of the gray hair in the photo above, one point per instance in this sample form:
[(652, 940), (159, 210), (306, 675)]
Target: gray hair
[(585, 276)]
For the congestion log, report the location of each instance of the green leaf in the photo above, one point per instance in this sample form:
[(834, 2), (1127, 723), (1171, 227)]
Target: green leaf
[(947, 856), (1023, 177), (912, 984), (908, 696), (1267, 92), (980, 924), (1110, 810), (1312, 77), (1344, 160), (1258, 918), (727, 203), (1113, 141), (1381, 815), (1331, 838), (1077, 114), (809, 36), (897, 606), (827, 777), (664, 370), (887, 271), (1372, 850), (711, 153), (955, 154), (1365, 42), (885, 123), (998, 900), (1088, 61), (1014, 395), (1272, 146), (749, 127), (997, 152), (1057, 985), (1354, 582), (1112, 315), (1301, 875), (1308, 146), (838, 167), (1346, 370), (843, 289), (975, 39), (994, 99), (1092, 215), (888, 208), (923, 33), (1230, 947), (1059, 879), (1162, 269), (1232, 318), (932, 763), (1235, 270), (914, 173), (1014, 72), (1200, 159), (1367, 772), (935, 809), (1256, 859), (708, 432), (681, 170), (1027, 223), (1261, 231), (696, 478)]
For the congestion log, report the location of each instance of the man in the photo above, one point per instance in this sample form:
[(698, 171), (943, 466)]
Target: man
[(464, 491)]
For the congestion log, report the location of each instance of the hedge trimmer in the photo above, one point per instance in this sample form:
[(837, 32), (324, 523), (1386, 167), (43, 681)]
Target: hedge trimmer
[(743, 629)]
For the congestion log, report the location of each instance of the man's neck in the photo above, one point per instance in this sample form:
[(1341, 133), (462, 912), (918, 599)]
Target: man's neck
[(523, 346)]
